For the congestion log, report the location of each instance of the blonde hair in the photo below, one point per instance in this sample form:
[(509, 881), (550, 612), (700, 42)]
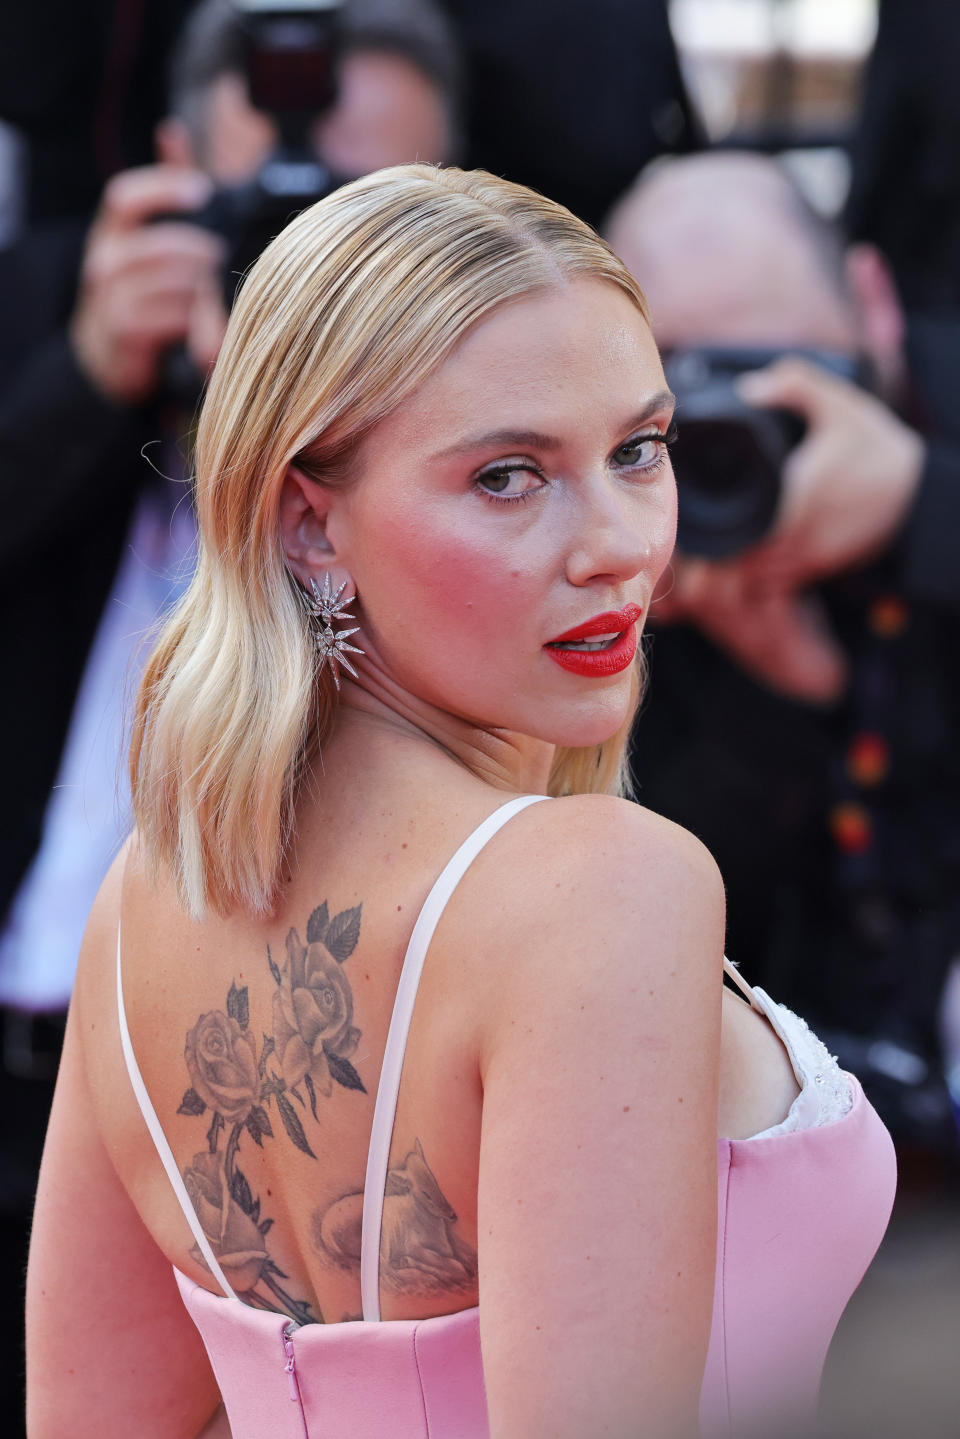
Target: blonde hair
[(345, 313)]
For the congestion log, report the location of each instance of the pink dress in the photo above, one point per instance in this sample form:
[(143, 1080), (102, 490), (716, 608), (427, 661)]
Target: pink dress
[(801, 1212)]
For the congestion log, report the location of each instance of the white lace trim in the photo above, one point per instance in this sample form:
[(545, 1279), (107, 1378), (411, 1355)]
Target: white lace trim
[(826, 1091)]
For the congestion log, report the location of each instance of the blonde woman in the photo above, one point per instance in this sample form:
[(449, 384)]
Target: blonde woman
[(392, 1090)]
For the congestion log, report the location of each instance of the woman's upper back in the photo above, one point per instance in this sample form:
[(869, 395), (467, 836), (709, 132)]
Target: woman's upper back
[(260, 1044)]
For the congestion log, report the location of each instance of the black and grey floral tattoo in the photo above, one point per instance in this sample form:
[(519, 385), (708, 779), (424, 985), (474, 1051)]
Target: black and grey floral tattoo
[(313, 1027), (312, 1041), (420, 1251)]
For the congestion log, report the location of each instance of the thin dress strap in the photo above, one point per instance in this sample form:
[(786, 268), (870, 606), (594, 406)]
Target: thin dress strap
[(388, 1089), (160, 1139), (731, 971)]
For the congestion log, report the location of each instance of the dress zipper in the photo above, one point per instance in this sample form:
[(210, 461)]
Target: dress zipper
[(291, 1366)]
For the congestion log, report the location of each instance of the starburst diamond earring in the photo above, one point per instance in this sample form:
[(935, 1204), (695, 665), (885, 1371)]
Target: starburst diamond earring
[(327, 606)]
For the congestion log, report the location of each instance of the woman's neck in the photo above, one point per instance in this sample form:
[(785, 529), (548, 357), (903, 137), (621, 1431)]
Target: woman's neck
[(379, 713)]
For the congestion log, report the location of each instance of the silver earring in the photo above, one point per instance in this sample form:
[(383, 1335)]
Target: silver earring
[(327, 606)]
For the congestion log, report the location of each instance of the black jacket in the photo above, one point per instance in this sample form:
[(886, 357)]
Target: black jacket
[(70, 468)]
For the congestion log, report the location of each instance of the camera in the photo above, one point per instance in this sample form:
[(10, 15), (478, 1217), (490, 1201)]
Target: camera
[(729, 456), (290, 52)]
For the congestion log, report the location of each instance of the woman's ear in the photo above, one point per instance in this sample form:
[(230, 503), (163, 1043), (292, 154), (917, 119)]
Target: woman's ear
[(304, 507)]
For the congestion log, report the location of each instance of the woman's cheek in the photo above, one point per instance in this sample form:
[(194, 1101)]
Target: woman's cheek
[(448, 575), (664, 538), (474, 593)]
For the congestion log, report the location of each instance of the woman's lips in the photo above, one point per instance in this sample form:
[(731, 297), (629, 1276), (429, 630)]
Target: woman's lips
[(615, 634)]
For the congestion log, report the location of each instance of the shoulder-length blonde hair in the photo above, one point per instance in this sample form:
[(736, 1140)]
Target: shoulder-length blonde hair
[(343, 316)]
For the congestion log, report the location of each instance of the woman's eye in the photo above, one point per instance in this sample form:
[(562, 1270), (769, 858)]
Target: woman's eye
[(645, 451), (510, 483)]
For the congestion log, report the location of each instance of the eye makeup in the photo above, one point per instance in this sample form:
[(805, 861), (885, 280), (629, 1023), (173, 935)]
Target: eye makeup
[(503, 471)]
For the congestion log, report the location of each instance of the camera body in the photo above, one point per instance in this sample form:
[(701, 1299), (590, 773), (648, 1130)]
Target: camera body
[(290, 55), (729, 455), (290, 51)]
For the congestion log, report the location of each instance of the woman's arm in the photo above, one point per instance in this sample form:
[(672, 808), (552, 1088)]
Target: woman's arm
[(598, 1201), (111, 1351), (218, 1427)]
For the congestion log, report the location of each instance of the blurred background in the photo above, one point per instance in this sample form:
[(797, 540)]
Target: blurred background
[(783, 177)]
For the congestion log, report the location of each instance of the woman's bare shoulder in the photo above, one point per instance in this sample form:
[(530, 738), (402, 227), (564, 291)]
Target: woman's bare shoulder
[(613, 847), (605, 817), (594, 876)]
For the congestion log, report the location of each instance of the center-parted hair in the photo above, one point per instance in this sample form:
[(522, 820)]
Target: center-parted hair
[(342, 317)]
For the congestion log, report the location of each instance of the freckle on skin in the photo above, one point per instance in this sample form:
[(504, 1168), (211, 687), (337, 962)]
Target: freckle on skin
[(626, 1109), (399, 908)]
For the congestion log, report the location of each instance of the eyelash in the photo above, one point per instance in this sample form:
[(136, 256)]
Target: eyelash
[(664, 440)]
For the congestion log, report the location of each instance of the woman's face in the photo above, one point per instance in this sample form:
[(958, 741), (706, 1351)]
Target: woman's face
[(523, 492)]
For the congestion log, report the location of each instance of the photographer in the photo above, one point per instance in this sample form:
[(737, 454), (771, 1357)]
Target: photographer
[(805, 691), (98, 540), (91, 319), (146, 285)]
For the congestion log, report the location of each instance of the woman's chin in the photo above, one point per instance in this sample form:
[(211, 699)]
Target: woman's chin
[(593, 723)]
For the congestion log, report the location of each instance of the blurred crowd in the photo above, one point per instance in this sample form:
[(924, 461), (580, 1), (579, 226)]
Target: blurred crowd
[(804, 692)]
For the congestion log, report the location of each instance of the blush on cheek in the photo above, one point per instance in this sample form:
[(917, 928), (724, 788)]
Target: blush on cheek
[(450, 581)]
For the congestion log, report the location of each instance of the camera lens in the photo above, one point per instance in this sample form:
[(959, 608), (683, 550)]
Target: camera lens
[(728, 486)]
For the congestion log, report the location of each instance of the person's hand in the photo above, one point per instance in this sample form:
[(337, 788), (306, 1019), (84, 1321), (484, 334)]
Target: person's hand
[(847, 486), (777, 635), (846, 490), (145, 287), (208, 323)]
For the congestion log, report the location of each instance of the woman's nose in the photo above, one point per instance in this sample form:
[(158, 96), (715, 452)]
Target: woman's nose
[(612, 536)]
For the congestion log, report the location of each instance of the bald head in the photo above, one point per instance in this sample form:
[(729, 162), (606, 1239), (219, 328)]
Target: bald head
[(729, 253)]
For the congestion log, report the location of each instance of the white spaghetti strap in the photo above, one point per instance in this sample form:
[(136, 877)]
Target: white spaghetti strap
[(730, 969), (160, 1139), (385, 1110)]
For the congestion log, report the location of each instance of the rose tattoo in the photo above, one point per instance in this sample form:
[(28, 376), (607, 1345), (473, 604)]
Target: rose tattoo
[(234, 1238), (222, 1062), (313, 1040), (312, 1015)]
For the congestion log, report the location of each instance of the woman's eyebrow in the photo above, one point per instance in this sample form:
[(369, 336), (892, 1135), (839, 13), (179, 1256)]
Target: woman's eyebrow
[(495, 439), (535, 439)]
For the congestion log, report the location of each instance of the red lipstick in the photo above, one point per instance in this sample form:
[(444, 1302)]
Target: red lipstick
[(615, 639)]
